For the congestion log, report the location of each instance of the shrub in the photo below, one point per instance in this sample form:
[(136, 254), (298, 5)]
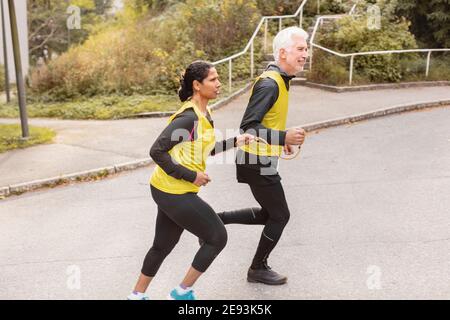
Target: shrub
[(329, 69), (352, 35), (147, 57), (277, 7)]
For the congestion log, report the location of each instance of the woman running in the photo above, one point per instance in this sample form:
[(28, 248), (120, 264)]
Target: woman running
[(180, 153)]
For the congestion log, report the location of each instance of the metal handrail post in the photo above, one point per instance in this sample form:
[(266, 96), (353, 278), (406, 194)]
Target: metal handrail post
[(351, 70)]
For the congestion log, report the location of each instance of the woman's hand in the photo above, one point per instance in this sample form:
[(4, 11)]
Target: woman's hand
[(202, 179), (245, 138)]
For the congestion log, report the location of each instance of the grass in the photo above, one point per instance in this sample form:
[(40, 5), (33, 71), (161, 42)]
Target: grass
[(99, 107), (11, 137)]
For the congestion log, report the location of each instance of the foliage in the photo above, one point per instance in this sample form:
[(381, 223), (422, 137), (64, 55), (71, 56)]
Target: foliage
[(148, 56), (430, 20), (351, 34), (47, 25)]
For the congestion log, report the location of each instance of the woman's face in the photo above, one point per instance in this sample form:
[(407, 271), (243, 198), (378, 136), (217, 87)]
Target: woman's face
[(209, 88)]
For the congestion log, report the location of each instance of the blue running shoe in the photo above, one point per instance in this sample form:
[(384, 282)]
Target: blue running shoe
[(189, 295)]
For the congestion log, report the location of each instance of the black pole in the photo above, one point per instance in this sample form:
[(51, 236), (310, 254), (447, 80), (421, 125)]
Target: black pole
[(5, 55), (18, 64)]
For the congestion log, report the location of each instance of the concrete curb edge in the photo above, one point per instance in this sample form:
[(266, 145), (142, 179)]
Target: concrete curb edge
[(372, 87), (96, 174)]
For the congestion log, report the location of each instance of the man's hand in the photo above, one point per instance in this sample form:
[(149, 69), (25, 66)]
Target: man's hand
[(245, 138), (288, 149), (295, 136), (202, 179)]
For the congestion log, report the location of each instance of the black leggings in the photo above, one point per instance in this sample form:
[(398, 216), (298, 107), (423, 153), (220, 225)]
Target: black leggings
[(176, 213), (274, 214)]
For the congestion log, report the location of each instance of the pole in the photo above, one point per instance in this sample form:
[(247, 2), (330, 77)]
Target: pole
[(428, 63), (301, 18), (265, 35), (230, 75), (5, 55), (18, 65), (351, 70), (252, 60)]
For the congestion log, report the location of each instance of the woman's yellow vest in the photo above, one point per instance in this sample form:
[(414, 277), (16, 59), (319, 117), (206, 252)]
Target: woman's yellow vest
[(275, 118), (190, 154)]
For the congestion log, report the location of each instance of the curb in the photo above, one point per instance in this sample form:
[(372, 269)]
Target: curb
[(89, 175), (101, 173), (215, 106), (375, 114), (375, 86)]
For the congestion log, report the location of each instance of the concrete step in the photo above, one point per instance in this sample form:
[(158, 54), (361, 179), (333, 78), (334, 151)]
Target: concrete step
[(298, 81), (303, 74)]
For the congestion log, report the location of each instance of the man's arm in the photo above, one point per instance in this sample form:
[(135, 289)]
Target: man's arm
[(265, 94)]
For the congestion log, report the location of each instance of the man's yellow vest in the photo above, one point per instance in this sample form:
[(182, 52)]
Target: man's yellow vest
[(275, 118), (190, 154)]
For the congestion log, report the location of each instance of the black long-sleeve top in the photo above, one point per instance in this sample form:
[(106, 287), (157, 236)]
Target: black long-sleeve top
[(182, 128), (265, 94)]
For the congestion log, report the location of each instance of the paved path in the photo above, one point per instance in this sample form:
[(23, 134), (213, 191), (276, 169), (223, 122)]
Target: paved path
[(369, 203), (85, 145)]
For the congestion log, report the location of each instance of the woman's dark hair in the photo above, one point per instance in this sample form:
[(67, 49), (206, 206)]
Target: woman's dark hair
[(197, 70)]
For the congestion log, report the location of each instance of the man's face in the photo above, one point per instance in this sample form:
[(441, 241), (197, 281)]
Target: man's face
[(294, 57)]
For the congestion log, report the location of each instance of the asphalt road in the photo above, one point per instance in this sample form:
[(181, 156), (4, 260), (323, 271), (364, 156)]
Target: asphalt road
[(370, 219)]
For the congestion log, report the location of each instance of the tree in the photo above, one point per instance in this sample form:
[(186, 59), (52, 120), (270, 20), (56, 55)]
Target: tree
[(47, 25), (430, 20)]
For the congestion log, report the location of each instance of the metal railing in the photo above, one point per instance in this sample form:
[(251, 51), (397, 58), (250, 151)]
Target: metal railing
[(353, 55), (353, 9), (250, 45), (319, 22)]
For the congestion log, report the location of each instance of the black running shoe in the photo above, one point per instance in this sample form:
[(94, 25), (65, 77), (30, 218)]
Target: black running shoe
[(265, 275)]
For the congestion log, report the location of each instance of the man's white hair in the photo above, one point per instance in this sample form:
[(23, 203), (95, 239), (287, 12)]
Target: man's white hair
[(284, 39)]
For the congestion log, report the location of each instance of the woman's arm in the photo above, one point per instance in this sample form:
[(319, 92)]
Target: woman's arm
[(179, 130), (223, 146), (238, 141)]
